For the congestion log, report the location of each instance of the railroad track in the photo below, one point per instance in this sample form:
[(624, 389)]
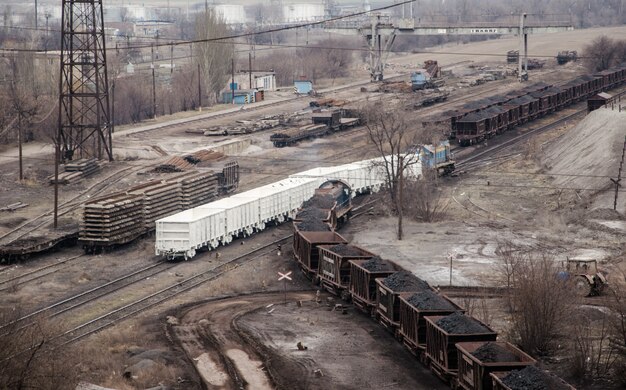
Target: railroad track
[(38, 273), (67, 206), (489, 292), (70, 303)]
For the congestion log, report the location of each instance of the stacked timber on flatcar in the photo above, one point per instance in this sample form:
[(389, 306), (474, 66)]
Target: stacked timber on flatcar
[(442, 334), (334, 266), (529, 377), (414, 308), (120, 218), (478, 359), (196, 188), (388, 296), (160, 200), (363, 286), (111, 221)]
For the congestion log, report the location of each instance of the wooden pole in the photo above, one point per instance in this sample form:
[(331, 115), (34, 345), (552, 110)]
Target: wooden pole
[(19, 143)]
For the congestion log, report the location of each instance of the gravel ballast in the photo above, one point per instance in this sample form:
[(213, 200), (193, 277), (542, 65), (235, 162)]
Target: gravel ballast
[(532, 378), (492, 353), (320, 201), (404, 281), (377, 264), (459, 323), (346, 250), (312, 213), (313, 226), (429, 300)]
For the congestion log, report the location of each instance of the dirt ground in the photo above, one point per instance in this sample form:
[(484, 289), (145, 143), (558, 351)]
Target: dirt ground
[(226, 343)]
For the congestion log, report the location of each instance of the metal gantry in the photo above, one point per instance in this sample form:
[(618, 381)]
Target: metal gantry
[(380, 32), (84, 127)]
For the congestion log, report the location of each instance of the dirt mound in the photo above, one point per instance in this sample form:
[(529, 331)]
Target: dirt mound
[(459, 323), (491, 352), (376, 264), (312, 213), (404, 281), (532, 378), (592, 148), (346, 250), (429, 300), (313, 226)]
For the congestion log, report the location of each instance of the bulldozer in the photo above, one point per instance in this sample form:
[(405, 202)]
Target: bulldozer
[(586, 278)]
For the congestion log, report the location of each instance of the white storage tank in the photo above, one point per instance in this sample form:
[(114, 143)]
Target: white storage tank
[(303, 12), (232, 13)]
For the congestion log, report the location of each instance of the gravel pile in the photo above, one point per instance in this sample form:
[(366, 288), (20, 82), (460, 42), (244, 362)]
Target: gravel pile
[(312, 213), (320, 201), (532, 378), (376, 264), (313, 226), (404, 281), (459, 323), (346, 250), (491, 353), (429, 300)]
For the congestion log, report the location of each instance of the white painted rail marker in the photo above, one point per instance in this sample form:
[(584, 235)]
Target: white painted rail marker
[(284, 277)]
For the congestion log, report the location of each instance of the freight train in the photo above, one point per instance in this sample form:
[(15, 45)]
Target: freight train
[(460, 349), (485, 118), (217, 223)]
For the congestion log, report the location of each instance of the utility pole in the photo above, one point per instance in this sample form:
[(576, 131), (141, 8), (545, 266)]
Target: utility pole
[(153, 83), (171, 57), (250, 67), (232, 80), (619, 176), (36, 25), (19, 142), (199, 90)]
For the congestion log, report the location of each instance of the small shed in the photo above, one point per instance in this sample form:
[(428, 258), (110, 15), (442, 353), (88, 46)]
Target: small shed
[(598, 101), (302, 87)]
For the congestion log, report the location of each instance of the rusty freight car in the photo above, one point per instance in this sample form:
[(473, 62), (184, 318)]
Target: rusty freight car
[(442, 334), (305, 245), (388, 296), (478, 359), (334, 266), (414, 307), (363, 275)]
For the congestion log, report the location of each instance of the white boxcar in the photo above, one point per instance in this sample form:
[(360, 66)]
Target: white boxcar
[(182, 233), (242, 216)]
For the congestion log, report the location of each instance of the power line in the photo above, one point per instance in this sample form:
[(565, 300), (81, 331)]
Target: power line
[(244, 35)]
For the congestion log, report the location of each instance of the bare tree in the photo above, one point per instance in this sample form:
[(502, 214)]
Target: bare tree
[(600, 53), (425, 200), (395, 141), (214, 58), (28, 359), (541, 302)]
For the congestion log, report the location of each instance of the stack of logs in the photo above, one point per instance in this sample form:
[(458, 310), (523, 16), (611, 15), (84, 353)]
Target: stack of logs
[(76, 170), (122, 217)]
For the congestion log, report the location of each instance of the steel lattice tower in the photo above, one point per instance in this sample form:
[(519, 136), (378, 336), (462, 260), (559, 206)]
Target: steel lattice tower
[(84, 112)]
